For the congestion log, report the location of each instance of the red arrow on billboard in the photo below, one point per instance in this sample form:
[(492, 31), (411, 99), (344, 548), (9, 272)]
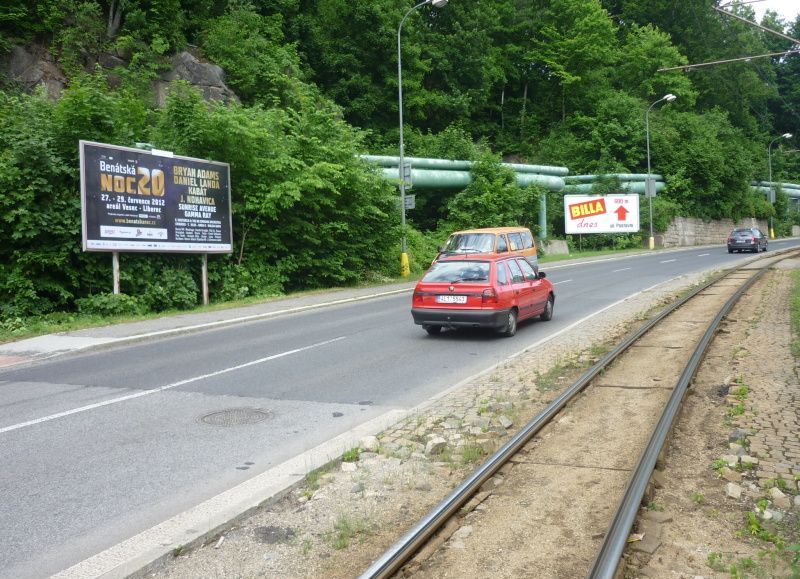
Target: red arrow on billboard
[(621, 213)]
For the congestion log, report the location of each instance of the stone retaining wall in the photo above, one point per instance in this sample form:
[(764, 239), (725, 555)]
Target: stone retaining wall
[(687, 231)]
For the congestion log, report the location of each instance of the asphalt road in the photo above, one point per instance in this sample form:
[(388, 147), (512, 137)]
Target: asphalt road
[(147, 448)]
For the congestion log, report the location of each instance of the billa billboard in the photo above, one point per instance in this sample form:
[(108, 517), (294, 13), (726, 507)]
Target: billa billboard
[(136, 200), (594, 214)]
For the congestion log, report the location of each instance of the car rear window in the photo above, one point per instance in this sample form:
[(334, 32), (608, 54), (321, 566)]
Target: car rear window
[(458, 271)]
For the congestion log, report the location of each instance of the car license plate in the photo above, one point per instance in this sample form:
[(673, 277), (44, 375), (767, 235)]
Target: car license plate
[(451, 299)]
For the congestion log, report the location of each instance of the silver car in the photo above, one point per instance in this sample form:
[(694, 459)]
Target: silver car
[(747, 239)]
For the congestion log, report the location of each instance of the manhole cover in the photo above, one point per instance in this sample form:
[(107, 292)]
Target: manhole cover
[(235, 417)]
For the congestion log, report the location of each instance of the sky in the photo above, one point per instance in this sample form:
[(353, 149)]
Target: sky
[(788, 9)]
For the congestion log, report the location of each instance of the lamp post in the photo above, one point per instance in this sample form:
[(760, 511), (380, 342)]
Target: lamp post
[(649, 187), (771, 190), (404, 267)]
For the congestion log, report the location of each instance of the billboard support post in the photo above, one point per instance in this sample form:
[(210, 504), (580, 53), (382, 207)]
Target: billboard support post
[(204, 278), (115, 267)]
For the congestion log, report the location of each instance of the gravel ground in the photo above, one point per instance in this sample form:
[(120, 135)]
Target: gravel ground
[(346, 515)]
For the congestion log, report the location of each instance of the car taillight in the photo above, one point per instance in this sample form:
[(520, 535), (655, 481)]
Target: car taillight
[(489, 296), (417, 298)]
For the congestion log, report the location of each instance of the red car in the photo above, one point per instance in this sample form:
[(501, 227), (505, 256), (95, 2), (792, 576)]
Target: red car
[(481, 291)]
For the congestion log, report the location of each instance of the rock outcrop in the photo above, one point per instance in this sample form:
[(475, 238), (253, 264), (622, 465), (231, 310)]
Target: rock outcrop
[(208, 77), (35, 66)]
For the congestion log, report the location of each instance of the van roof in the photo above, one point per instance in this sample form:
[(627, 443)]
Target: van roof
[(492, 230)]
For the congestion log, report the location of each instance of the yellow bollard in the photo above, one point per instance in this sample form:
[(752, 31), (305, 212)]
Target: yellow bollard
[(652, 243), (405, 270)]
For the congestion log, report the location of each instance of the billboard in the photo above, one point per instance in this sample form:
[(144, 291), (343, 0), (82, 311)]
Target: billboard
[(136, 200), (595, 214)]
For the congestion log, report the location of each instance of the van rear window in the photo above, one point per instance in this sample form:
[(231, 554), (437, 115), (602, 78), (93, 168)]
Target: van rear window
[(470, 242)]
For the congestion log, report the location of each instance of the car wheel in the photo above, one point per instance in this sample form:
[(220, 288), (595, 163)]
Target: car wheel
[(730, 250), (432, 330), (511, 324), (547, 314)]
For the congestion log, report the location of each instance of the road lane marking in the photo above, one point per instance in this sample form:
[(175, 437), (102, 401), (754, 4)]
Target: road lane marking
[(162, 388), (562, 281), (703, 254), (668, 261), (623, 269)]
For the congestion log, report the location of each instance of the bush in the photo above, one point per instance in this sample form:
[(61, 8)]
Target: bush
[(105, 304), (170, 289), (231, 281)]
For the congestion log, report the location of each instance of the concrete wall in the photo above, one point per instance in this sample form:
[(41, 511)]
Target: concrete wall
[(688, 231)]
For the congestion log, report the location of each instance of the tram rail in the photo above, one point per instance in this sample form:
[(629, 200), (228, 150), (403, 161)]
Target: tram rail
[(614, 539)]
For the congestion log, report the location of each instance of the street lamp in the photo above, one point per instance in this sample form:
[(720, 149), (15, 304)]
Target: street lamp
[(404, 267), (649, 187), (771, 190)]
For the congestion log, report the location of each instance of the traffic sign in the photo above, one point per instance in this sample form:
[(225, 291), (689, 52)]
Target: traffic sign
[(410, 201), (650, 187), (407, 174)]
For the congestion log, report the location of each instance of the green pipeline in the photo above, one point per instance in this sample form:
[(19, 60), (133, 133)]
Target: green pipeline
[(449, 179), (448, 165), (625, 186)]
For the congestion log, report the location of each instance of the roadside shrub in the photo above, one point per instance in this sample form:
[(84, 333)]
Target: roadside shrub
[(171, 288), (422, 248), (109, 304), (231, 281)]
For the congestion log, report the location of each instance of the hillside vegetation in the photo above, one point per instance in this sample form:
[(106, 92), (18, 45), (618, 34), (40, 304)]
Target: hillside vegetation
[(560, 82)]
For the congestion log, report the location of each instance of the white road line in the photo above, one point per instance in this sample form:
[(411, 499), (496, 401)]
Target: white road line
[(668, 261), (162, 388), (623, 269), (562, 281), (703, 254)]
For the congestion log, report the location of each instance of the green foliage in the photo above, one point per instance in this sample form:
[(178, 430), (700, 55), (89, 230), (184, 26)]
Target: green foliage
[(564, 83), (230, 281), (110, 305), (170, 288), (351, 455), (259, 64), (83, 37), (493, 199)]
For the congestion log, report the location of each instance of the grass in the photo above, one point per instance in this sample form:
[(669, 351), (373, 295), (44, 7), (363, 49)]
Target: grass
[(736, 410), (312, 480), (351, 455), (698, 498), (344, 530), (719, 464), (472, 453)]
